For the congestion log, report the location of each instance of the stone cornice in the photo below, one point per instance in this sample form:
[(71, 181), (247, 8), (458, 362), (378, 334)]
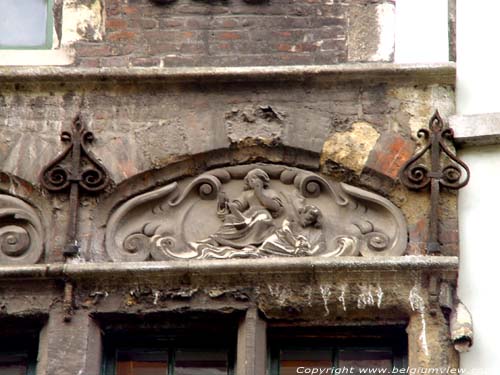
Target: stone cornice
[(442, 73), (234, 267)]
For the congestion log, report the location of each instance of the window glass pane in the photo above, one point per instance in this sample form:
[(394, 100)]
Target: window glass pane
[(141, 362), (291, 359), (365, 358), (201, 362), (13, 364), (23, 23)]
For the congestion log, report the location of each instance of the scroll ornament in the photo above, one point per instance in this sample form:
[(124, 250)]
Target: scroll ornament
[(21, 232), (255, 211)]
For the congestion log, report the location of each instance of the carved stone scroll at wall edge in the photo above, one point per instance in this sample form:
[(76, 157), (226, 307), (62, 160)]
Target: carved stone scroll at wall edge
[(21, 232), (255, 211)]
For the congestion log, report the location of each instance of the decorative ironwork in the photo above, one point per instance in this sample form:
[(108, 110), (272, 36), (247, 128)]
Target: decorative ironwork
[(75, 169), (417, 176)]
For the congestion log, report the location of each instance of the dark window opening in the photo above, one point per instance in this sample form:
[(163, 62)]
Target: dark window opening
[(149, 355), (196, 348), (293, 350), (18, 354)]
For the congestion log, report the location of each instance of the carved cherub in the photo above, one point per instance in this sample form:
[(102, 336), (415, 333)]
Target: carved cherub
[(249, 219), (302, 238)]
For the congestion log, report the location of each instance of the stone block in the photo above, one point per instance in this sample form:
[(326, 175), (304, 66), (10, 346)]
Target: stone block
[(389, 154), (351, 148)]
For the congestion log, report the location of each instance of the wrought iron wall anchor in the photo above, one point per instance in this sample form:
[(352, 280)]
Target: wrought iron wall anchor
[(68, 303), (75, 170), (417, 176)]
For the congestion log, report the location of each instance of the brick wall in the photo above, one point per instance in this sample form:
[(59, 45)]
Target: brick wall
[(227, 33)]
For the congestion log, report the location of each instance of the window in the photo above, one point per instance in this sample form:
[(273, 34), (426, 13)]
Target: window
[(172, 347), (169, 356), (292, 352), (26, 24), (18, 354)]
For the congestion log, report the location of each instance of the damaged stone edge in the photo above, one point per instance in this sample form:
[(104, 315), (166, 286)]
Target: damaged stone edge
[(440, 73), (230, 266), (476, 130)]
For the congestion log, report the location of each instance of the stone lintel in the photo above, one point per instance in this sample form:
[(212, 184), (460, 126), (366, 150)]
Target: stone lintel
[(476, 130), (442, 73)]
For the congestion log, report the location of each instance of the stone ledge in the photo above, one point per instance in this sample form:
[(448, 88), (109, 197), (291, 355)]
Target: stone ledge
[(15, 58), (304, 266), (476, 130), (443, 73)]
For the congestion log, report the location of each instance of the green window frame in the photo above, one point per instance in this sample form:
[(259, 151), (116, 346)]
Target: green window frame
[(168, 344), (49, 26), (336, 340)]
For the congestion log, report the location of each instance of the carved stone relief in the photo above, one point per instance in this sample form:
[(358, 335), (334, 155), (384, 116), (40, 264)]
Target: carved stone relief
[(21, 232), (255, 211)]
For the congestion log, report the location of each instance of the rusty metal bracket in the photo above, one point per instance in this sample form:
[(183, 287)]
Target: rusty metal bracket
[(75, 170), (454, 174)]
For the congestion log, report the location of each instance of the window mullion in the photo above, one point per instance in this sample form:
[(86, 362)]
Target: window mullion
[(171, 360), (335, 359)]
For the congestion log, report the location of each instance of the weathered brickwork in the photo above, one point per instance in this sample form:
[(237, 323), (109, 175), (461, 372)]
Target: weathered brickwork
[(360, 134), (234, 33)]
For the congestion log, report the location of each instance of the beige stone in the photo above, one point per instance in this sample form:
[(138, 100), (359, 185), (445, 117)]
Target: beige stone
[(351, 149), (370, 35), (81, 21), (421, 104)]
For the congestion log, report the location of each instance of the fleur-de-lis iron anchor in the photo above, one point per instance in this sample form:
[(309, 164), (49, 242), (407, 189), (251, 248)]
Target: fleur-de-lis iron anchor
[(75, 170), (417, 176)]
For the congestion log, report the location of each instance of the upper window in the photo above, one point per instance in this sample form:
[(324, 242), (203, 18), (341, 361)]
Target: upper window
[(18, 354), (298, 351), (194, 347), (26, 24), (163, 355)]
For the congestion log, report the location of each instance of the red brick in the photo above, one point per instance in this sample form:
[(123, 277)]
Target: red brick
[(389, 154), (116, 24), (145, 61), (284, 47), (237, 33), (89, 50), (114, 61), (196, 23), (285, 34), (223, 46), (164, 47), (187, 34), (130, 10), (192, 48), (229, 23), (171, 23), (89, 63), (448, 236), (305, 47), (228, 35), (121, 36), (418, 232)]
